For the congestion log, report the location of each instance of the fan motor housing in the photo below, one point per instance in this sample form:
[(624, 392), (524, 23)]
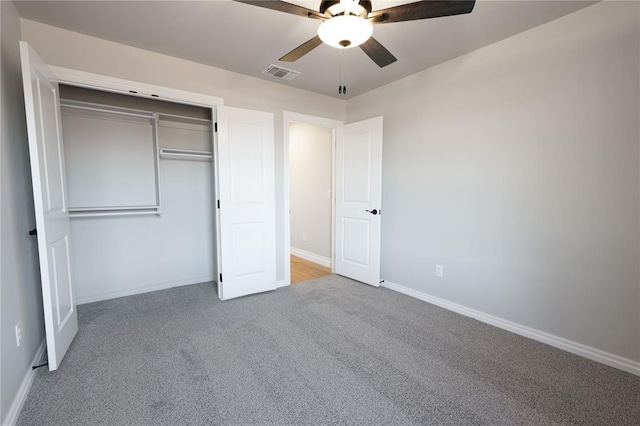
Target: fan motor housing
[(326, 4)]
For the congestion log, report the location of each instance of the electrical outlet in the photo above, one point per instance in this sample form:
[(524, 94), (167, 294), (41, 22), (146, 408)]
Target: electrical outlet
[(18, 334), (439, 271), (304, 238)]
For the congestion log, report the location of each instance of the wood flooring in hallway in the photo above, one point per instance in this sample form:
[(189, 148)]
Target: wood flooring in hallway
[(303, 270)]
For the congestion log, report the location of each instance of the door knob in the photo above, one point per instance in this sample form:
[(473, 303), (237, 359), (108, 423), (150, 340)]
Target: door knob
[(373, 212)]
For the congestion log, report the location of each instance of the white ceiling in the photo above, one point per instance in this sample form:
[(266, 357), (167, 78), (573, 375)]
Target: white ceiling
[(245, 39)]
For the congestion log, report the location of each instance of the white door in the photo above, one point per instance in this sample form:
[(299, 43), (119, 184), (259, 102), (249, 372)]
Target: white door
[(42, 104), (358, 200), (247, 202)]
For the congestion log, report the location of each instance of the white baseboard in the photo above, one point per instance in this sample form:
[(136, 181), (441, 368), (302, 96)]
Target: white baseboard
[(311, 257), (140, 290), (25, 387), (594, 354)]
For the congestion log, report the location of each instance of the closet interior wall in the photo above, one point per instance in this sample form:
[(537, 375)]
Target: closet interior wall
[(141, 193)]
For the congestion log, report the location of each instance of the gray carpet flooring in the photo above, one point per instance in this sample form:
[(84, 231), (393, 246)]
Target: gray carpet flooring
[(328, 351)]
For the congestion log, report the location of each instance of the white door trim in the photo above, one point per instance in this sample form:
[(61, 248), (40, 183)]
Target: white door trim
[(133, 88), (294, 117)]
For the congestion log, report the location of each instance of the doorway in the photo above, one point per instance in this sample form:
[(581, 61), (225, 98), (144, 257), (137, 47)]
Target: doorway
[(309, 196), (311, 192)]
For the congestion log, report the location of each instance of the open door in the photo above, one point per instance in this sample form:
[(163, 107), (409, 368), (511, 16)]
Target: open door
[(358, 200), (42, 105), (247, 202)]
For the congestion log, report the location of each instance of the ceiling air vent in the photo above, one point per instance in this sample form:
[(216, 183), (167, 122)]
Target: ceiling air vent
[(281, 73)]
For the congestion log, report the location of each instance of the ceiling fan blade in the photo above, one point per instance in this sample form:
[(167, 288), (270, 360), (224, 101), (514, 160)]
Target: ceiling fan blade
[(302, 50), (421, 10), (377, 52), (282, 6)]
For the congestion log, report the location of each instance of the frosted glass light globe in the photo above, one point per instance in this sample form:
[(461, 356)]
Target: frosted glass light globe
[(345, 31)]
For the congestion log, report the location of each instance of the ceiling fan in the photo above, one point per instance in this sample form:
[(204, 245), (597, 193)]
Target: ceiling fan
[(348, 23)]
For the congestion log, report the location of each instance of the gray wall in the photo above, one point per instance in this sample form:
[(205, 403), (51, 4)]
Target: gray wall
[(20, 297), (517, 168), (310, 188)]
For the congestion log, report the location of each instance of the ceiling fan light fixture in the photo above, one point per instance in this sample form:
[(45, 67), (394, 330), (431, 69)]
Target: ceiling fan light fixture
[(345, 31)]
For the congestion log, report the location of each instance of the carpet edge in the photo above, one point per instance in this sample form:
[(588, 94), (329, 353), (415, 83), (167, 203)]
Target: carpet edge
[(606, 358)]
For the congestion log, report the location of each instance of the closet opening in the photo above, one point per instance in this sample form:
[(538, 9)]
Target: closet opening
[(310, 164), (141, 193)]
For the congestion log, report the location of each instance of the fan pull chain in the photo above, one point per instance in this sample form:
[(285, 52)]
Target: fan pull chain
[(342, 88)]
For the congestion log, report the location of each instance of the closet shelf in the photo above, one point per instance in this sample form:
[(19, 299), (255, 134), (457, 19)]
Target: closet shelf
[(183, 118), (87, 106), (185, 154)]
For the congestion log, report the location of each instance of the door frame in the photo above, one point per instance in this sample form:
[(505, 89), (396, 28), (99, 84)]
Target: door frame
[(105, 83), (290, 117), (133, 88)]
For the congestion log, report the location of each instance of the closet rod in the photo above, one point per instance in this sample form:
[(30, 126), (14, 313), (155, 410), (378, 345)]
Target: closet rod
[(115, 213), (185, 154), (111, 209), (106, 110)]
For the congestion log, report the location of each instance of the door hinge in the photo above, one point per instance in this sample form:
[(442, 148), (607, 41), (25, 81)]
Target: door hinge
[(221, 277), (215, 127), (34, 231), (218, 203)]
